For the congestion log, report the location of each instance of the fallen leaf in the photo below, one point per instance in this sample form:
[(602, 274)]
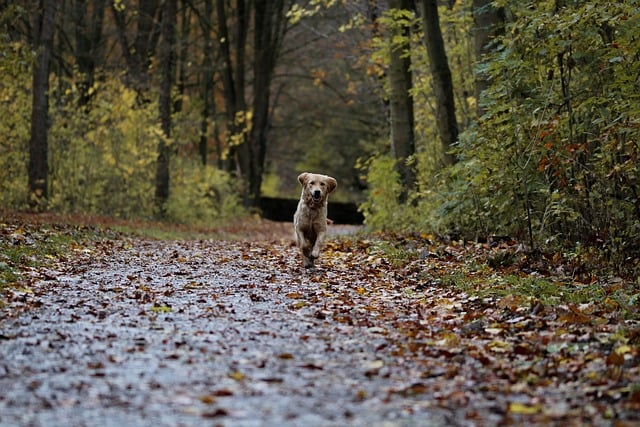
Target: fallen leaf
[(237, 375), (207, 399), (295, 295), (285, 356), (223, 392), (216, 413), (523, 409)]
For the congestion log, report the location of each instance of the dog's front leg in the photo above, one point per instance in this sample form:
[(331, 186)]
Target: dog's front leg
[(307, 258), (306, 247), (315, 252)]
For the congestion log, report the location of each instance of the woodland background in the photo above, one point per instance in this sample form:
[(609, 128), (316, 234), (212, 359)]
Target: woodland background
[(469, 118)]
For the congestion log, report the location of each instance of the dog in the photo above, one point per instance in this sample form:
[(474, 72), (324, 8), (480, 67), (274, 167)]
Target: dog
[(310, 220)]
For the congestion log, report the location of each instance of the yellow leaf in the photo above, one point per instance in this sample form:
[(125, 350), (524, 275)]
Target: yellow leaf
[(522, 409), (623, 349), (237, 375), (499, 346), (161, 309), (297, 305)]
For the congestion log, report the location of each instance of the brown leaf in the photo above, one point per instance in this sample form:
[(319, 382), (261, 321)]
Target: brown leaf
[(295, 295), (285, 356), (216, 413), (207, 399), (223, 392), (574, 315)]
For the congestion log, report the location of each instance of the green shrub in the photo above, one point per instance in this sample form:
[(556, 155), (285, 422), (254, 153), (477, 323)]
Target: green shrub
[(102, 159), (15, 108), (201, 195), (382, 210), (554, 159), (561, 123)]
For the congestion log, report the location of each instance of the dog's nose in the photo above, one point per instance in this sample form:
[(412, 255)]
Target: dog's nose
[(317, 194)]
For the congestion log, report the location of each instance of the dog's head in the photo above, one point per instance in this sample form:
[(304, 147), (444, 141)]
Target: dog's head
[(316, 187)]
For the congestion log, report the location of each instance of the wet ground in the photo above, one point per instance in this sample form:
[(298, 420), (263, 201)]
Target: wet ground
[(151, 333), (134, 332)]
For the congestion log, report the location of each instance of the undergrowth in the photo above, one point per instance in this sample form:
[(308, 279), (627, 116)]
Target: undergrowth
[(506, 271), (25, 247)]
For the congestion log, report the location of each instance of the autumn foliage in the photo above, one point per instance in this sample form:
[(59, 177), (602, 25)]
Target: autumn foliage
[(552, 159), (547, 152)]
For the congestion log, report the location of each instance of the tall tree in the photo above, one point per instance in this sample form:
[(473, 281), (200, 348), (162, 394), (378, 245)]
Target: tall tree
[(168, 30), (248, 132), (182, 56), (442, 82), (207, 82), (43, 30), (488, 23), (138, 54), (270, 24), (233, 76), (400, 98), (88, 35)]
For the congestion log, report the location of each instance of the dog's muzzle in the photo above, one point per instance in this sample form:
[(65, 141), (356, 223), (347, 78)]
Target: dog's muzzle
[(316, 195)]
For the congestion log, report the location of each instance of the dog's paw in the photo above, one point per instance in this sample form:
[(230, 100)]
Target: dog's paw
[(308, 261)]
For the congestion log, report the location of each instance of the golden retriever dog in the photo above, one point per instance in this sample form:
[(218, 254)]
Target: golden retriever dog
[(310, 220)]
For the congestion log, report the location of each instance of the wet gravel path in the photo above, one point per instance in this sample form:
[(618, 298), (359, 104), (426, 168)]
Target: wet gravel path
[(193, 333)]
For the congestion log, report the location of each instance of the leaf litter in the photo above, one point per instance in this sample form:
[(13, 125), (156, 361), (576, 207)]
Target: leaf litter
[(136, 331)]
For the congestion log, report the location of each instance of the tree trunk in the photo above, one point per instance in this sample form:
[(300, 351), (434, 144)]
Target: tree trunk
[(183, 58), (166, 83), (43, 27), (488, 23), (400, 100), (233, 79), (207, 81), (443, 85), (138, 54), (269, 30), (248, 148), (88, 34)]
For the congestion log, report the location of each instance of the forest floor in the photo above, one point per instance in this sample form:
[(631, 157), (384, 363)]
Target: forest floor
[(224, 327)]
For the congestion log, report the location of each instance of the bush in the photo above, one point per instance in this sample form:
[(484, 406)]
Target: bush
[(554, 160), (15, 104), (102, 158), (14, 142), (560, 133), (201, 195), (382, 210)]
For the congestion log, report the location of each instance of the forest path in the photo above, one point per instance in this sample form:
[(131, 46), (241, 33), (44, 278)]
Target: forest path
[(176, 333), (136, 332)]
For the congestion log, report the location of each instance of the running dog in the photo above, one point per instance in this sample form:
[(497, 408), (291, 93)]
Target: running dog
[(310, 220)]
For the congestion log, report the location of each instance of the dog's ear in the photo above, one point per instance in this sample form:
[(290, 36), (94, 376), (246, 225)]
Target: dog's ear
[(332, 183), (302, 178)]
